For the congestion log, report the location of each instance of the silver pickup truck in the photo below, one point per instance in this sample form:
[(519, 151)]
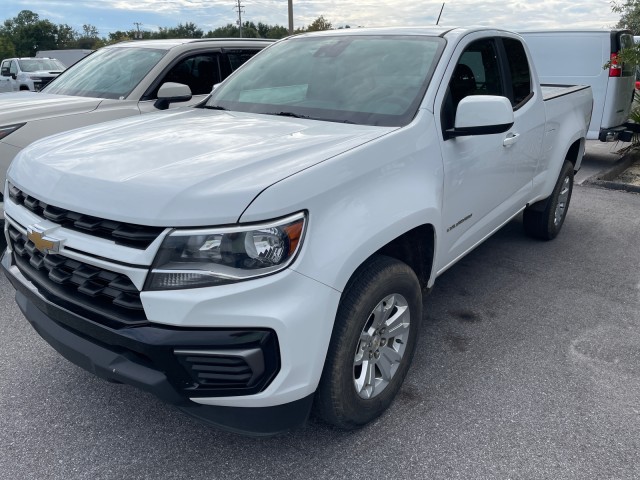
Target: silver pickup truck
[(118, 81)]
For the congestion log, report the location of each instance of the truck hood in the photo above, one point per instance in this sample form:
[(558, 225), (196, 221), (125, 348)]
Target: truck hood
[(18, 107), (188, 167)]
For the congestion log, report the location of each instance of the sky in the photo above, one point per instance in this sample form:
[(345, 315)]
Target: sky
[(111, 15)]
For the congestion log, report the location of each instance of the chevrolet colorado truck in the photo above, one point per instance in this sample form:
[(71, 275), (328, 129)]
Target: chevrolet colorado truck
[(121, 80), (264, 255)]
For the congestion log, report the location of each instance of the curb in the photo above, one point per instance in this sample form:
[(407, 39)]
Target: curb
[(605, 179)]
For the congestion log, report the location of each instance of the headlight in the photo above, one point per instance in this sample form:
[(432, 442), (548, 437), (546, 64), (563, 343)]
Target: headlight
[(208, 257), (9, 129)]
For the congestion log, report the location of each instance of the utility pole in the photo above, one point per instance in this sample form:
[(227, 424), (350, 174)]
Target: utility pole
[(139, 34), (240, 8), (290, 17)]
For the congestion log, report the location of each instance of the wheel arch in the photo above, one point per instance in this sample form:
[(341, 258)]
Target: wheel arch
[(416, 248), (575, 153)]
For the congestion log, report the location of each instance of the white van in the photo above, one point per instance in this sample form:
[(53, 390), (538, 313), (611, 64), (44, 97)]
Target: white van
[(577, 57)]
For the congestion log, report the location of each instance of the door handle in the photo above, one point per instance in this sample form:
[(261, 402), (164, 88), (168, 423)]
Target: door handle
[(511, 139)]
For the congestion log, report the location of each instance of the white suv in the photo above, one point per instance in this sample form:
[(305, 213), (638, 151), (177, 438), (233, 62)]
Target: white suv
[(28, 73), (119, 81)]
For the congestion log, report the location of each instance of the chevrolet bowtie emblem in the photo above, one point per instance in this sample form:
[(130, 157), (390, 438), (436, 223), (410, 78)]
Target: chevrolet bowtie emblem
[(41, 240)]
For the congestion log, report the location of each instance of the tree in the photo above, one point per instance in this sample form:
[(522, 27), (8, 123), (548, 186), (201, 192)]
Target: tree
[(7, 50), (67, 36), (228, 31), (188, 30), (28, 34), (630, 14), (272, 31), (630, 19), (319, 24), (90, 38)]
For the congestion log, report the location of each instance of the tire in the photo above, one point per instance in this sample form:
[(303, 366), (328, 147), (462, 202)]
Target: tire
[(372, 343), (544, 219)]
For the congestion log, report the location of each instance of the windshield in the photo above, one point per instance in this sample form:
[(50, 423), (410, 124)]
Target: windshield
[(36, 64), (368, 80), (108, 73)]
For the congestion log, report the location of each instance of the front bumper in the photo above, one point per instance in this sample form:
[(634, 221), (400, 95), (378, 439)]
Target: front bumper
[(155, 358)]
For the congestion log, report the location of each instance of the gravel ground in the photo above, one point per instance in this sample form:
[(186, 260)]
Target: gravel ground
[(631, 175)]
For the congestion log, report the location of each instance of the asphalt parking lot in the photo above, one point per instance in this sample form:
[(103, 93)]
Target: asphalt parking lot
[(528, 367)]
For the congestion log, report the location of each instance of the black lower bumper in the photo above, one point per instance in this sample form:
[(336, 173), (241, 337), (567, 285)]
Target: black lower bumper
[(145, 357), (623, 133)]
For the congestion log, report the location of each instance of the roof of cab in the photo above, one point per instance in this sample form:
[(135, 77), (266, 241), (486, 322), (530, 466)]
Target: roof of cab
[(175, 42), (431, 31)]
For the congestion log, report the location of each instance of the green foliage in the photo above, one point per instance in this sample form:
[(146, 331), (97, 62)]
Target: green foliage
[(249, 30), (29, 34), (228, 31), (188, 30), (7, 50), (630, 14), (319, 24), (26, 33)]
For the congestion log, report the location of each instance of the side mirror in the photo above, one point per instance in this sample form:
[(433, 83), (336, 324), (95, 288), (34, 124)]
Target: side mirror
[(215, 86), (481, 115), (170, 93), (4, 72)]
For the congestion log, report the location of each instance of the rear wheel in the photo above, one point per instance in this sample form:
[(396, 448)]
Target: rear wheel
[(544, 219), (372, 344)]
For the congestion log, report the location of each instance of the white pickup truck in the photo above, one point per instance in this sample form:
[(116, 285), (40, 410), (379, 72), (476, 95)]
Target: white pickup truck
[(21, 74), (265, 255)]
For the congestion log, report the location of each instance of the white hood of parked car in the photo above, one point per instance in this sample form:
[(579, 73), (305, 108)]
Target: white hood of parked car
[(189, 167), (43, 72), (18, 107)]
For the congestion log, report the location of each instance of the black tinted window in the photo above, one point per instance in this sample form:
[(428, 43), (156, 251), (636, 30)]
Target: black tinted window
[(200, 73), (477, 73), (238, 57), (519, 69)]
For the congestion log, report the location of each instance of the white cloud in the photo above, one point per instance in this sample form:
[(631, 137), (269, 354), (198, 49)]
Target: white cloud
[(516, 14)]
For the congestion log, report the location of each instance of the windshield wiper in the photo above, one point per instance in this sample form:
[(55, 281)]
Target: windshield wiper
[(290, 114), (215, 107)]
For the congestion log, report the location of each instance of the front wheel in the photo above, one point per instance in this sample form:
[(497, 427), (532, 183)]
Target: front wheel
[(544, 219), (372, 344)]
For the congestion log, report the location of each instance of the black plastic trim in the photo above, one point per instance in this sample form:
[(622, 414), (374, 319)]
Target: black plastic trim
[(255, 421), (116, 367), (150, 346), (469, 131)]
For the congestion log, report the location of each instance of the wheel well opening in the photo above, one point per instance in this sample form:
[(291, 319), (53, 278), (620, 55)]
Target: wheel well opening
[(415, 248), (574, 151)]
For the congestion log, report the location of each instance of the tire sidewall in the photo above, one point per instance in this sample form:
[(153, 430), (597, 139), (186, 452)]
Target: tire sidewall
[(552, 228), (358, 409)]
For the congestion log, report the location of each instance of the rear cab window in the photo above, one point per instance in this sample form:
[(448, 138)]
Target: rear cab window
[(519, 71)]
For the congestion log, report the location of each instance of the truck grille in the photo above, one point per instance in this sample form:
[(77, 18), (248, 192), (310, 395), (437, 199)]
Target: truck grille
[(127, 234), (43, 82), (94, 293)]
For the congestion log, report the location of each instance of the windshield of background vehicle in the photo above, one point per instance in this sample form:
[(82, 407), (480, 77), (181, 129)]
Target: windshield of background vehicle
[(40, 64), (367, 80), (108, 73)]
